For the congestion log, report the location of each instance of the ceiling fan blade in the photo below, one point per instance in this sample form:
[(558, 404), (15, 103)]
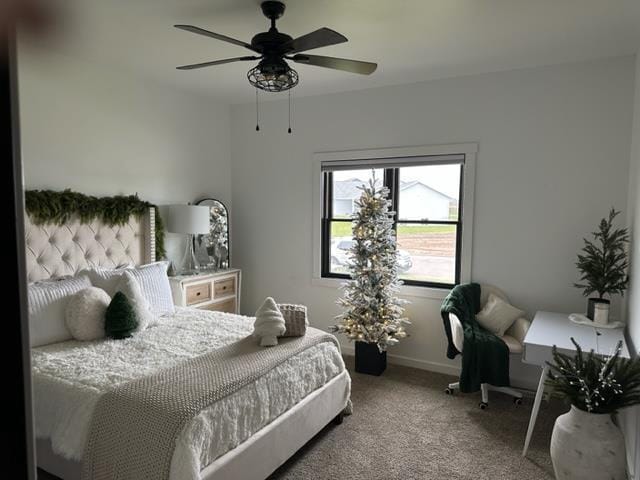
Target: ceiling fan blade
[(217, 36), (216, 62), (322, 37), (353, 66)]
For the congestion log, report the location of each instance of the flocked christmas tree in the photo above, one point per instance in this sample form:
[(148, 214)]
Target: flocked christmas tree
[(373, 313)]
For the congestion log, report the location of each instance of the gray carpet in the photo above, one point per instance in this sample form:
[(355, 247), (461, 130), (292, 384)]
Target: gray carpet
[(405, 427)]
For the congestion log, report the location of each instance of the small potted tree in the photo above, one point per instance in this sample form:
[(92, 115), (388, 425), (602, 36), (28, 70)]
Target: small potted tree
[(373, 315), (585, 443), (603, 263)]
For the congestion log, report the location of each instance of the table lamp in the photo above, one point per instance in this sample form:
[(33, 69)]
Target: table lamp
[(190, 220)]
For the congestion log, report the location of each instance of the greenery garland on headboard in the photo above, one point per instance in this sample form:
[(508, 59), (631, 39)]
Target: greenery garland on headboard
[(58, 207)]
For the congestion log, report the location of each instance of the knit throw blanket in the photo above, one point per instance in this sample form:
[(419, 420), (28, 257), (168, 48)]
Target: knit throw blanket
[(485, 357), (135, 426)]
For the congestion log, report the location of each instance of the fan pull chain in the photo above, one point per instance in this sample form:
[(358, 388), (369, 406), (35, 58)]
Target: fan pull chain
[(289, 130), (257, 113)]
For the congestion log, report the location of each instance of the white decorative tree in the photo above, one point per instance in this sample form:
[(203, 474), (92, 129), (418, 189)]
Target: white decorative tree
[(373, 313)]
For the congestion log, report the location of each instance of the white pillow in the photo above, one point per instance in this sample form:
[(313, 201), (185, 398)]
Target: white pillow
[(154, 283), (131, 289), (85, 314), (295, 319), (47, 305), (105, 278), (497, 315)]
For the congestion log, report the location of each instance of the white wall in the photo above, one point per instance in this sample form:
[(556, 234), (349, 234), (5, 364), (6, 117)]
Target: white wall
[(553, 158), (105, 132), (631, 419), (634, 211)]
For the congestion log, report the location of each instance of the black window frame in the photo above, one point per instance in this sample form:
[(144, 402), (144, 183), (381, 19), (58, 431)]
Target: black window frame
[(392, 181)]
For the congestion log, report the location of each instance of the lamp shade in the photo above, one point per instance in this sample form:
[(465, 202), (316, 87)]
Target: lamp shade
[(192, 219)]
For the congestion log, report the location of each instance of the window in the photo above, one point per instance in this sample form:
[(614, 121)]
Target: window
[(428, 195)]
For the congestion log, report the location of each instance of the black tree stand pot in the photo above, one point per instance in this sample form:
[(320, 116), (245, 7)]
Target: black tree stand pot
[(369, 360), (591, 306)]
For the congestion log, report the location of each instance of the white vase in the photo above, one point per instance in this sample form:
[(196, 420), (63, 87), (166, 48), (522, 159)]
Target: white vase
[(587, 446)]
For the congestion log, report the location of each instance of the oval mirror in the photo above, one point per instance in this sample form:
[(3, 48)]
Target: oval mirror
[(212, 249)]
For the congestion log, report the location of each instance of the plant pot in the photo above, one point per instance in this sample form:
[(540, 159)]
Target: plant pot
[(591, 306), (587, 446), (369, 359), (601, 313)]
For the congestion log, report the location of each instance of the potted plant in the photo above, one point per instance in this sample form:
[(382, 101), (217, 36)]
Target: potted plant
[(603, 263), (373, 315), (585, 443)]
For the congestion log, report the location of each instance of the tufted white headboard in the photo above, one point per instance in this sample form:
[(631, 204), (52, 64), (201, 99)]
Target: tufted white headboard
[(58, 250)]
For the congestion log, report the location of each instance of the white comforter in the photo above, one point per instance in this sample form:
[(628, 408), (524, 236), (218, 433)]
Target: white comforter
[(69, 377)]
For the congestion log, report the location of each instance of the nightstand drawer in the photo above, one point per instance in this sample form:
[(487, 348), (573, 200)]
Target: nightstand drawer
[(223, 288), (198, 293), (208, 290), (228, 306)]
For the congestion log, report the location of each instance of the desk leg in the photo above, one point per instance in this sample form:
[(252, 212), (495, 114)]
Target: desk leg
[(534, 411)]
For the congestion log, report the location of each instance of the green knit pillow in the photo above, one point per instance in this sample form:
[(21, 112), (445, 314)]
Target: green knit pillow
[(120, 319)]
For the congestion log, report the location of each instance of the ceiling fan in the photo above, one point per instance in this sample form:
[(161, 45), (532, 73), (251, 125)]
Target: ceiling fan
[(273, 48)]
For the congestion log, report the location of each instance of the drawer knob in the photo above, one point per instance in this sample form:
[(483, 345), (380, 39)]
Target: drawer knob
[(198, 294), (224, 288)]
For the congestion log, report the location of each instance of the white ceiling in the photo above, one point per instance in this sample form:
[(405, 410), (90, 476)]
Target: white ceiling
[(411, 40)]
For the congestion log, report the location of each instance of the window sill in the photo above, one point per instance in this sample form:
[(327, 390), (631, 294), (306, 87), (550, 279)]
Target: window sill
[(405, 290)]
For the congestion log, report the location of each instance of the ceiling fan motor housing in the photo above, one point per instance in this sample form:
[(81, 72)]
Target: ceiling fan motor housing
[(271, 42), (272, 9)]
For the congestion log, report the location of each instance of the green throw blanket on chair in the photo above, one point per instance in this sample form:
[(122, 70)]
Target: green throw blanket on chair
[(485, 357)]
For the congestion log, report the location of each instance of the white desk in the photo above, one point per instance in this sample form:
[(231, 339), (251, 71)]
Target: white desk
[(548, 329)]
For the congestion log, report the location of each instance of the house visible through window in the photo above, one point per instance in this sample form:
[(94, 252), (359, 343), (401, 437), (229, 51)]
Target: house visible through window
[(426, 194)]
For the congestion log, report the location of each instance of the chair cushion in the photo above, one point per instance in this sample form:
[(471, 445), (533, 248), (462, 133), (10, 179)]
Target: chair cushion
[(457, 332), (514, 345), (497, 315)]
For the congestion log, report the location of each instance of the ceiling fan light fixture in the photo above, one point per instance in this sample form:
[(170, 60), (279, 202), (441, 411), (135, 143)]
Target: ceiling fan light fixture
[(272, 81), (272, 47)]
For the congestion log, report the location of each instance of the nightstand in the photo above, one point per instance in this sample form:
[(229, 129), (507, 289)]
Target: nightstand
[(208, 290)]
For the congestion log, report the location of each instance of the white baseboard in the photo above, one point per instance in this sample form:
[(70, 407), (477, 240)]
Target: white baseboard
[(412, 362), (527, 387)]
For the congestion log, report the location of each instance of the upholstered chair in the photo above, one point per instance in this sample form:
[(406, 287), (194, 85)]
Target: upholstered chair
[(513, 337)]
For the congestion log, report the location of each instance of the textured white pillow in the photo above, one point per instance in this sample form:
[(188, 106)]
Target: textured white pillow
[(295, 319), (47, 304), (497, 315), (131, 289), (85, 314), (154, 283), (105, 278)]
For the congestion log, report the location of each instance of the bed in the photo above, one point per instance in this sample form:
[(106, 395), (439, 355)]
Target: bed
[(246, 434)]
